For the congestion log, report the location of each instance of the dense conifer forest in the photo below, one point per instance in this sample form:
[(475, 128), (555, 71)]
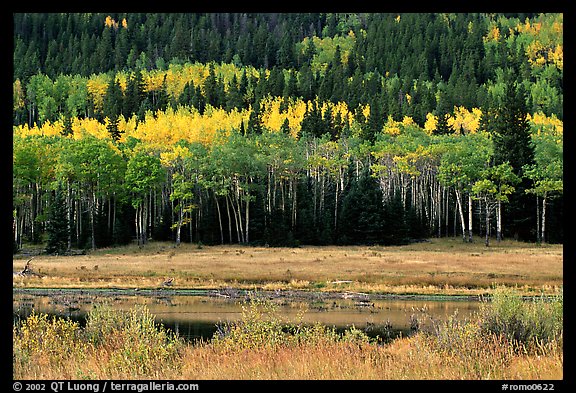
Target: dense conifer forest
[(286, 128)]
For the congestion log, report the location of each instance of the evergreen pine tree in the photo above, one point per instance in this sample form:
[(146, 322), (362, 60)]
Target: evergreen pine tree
[(511, 130), (512, 143), (57, 226), (67, 129), (285, 128), (362, 215)]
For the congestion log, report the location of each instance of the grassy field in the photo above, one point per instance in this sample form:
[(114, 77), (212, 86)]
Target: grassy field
[(440, 266)]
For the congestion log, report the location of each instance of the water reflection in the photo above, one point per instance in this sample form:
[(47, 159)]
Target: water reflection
[(196, 317)]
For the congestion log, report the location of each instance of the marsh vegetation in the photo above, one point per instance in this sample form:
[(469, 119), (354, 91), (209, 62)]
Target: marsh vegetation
[(507, 339)]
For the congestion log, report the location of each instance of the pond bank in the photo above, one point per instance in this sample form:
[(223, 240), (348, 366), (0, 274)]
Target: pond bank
[(240, 294)]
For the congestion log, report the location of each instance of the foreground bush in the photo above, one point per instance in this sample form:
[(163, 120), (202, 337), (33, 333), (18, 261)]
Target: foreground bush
[(528, 322), (114, 344)]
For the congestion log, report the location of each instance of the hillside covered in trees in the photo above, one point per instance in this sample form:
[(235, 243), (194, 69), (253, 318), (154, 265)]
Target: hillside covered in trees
[(286, 129)]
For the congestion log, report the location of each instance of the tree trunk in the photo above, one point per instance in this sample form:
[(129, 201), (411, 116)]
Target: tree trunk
[(487, 241), (538, 231), (543, 237), (470, 214), (229, 218), (235, 219), (69, 207), (219, 219), (137, 224), (92, 227), (246, 238), (499, 223), (463, 224), (179, 225)]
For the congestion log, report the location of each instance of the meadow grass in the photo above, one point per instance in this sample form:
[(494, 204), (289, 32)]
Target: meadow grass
[(129, 345), (440, 266)]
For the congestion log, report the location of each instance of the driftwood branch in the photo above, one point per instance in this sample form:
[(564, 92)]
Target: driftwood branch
[(27, 271)]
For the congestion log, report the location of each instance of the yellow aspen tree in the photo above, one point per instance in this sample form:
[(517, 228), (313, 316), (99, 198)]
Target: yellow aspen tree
[(391, 126), (469, 121), (17, 95), (295, 115), (97, 85), (92, 127), (272, 117), (430, 124)]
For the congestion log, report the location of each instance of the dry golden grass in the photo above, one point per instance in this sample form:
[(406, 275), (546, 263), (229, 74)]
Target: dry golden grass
[(445, 266), (411, 358)]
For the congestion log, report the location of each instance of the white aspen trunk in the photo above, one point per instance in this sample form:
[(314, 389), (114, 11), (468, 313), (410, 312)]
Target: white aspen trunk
[(219, 218), (78, 223), (239, 212), (321, 195), (336, 207), (109, 226), (294, 203), (463, 224), (487, 241), (246, 238), (149, 215), (235, 220), (269, 192), (198, 216), (137, 227), (544, 219), (499, 222), (446, 210), (283, 196), (470, 214), (439, 209), (145, 222), (92, 227), (229, 219), (179, 227), (315, 198), (538, 230), (69, 207), (114, 217)]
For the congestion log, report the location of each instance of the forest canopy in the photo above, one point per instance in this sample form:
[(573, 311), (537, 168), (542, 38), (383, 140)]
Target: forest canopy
[(286, 129)]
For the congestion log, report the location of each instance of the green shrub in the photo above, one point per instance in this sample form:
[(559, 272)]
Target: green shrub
[(49, 339), (138, 345), (524, 321), (261, 327)]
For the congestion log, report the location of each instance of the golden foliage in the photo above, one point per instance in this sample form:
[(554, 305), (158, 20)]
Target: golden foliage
[(543, 123), (430, 124), (493, 34), (464, 119), (17, 94), (97, 85), (392, 127)]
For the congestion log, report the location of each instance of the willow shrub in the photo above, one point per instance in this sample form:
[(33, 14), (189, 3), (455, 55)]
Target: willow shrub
[(260, 327), (137, 344), (539, 320), (49, 340)]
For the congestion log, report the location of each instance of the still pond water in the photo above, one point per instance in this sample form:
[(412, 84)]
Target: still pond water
[(196, 316)]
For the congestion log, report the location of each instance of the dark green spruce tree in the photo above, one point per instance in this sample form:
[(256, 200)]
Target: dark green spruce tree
[(511, 130), (57, 226), (113, 103), (512, 143), (363, 215)]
